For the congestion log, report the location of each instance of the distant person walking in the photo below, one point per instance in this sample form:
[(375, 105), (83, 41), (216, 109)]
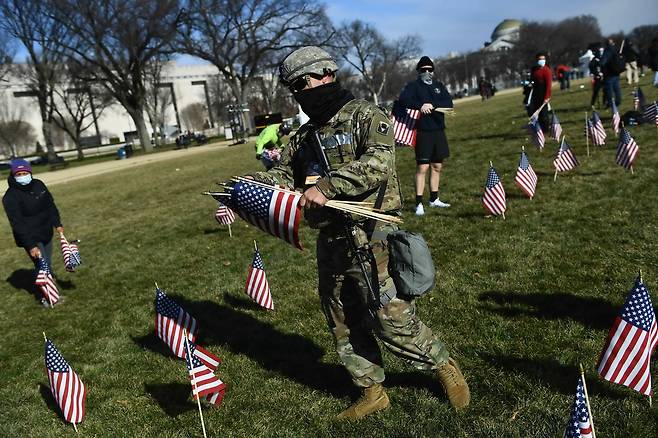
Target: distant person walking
[(597, 74), (425, 94), (612, 65), (652, 59), (631, 55), (541, 79), (563, 73), (31, 211)]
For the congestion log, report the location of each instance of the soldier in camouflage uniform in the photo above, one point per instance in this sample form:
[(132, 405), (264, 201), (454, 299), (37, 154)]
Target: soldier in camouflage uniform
[(357, 139)]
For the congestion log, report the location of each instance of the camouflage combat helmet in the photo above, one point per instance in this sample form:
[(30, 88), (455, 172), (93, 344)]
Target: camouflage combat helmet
[(304, 61)]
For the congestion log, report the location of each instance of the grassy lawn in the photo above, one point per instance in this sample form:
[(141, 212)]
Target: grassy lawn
[(520, 302)]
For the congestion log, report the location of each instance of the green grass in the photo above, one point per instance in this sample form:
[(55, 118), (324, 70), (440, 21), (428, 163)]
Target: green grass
[(520, 302)]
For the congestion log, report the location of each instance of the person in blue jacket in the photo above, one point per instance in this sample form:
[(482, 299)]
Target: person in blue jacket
[(426, 94)]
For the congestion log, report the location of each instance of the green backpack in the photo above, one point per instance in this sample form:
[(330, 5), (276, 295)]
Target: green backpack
[(410, 263)]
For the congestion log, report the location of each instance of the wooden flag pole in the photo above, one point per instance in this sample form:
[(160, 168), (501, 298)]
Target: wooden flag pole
[(538, 110), (591, 417), (198, 400), (587, 133), (230, 233)]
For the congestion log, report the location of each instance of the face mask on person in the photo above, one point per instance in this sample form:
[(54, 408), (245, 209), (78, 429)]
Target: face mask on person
[(426, 76), (541, 62), (23, 179)]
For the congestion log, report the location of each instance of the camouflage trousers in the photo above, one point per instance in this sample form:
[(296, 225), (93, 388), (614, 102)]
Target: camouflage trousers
[(345, 304)]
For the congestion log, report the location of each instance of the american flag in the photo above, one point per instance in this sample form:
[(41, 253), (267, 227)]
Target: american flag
[(627, 354), (404, 125), (46, 283), (257, 286), (526, 178), (616, 120), (270, 209), (170, 321), (202, 377), (638, 99), (565, 159), (70, 253), (494, 194), (595, 130), (627, 149), (537, 134), (650, 113), (579, 425), (556, 128), (224, 215), (67, 388)]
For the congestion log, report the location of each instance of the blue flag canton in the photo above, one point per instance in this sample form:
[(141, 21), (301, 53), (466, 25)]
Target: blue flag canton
[(492, 178), (579, 411), (595, 118), (534, 124), (614, 107), (43, 266), (165, 306), (258, 261), (637, 309), (555, 120), (564, 146), (191, 359), (624, 136), (54, 360), (524, 163), (252, 199)]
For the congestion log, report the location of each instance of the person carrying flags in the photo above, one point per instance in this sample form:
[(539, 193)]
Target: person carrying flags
[(541, 91), (346, 152), (32, 212)]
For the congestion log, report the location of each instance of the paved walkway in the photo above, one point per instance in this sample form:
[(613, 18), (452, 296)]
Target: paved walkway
[(72, 173)]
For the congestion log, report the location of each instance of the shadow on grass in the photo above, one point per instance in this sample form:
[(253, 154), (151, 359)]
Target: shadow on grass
[(417, 380), (549, 372), (152, 343), (173, 398), (590, 311), (215, 230), (48, 398), (23, 279)]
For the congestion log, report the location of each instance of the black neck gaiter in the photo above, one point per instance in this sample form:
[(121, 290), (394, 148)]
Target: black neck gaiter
[(322, 103)]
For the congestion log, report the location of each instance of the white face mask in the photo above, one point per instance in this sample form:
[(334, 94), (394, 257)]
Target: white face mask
[(23, 179), (541, 62)]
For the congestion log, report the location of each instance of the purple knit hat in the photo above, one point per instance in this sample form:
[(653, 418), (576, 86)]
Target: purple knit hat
[(20, 165)]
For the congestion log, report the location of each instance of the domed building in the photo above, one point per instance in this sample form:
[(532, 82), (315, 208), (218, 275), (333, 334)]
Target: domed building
[(504, 35)]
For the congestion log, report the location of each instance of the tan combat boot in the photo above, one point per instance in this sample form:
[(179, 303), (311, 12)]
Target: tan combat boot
[(454, 384), (373, 399)]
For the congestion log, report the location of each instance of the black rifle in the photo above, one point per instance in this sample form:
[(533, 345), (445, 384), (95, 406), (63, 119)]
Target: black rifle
[(363, 252)]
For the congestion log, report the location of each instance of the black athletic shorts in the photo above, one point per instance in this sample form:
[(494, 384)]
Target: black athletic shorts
[(431, 147)]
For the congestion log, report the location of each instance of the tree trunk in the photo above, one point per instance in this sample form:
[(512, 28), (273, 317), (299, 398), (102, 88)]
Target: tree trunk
[(47, 130), (140, 123), (78, 147)]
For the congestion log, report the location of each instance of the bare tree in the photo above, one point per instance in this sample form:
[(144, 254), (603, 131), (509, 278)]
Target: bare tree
[(16, 135), (243, 38), (194, 116), (115, 40), (26, 21), (7, 52), (158, 97)]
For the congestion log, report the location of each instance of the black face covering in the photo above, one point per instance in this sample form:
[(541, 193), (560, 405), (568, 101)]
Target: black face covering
[(323, 102)]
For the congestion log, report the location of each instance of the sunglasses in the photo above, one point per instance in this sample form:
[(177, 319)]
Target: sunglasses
[(424, 69), (302, 82)]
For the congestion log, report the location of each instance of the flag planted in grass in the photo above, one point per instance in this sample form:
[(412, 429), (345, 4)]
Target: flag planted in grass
[(534, 128), (627, 149), (526, 178), (70, 253), (616, 119), (67, 388), (579, 425), (404, 125), (45, 282), (224, 215), (650, 113), (257, 286), (556, 128), (595, 130), (494, 199), (638, 99), (626, 356), (202, 377), (171, 320), (565, 159)]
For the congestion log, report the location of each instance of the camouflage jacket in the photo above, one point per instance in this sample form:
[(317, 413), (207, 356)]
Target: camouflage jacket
[(358, 143)]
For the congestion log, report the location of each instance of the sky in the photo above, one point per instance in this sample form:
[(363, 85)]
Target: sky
[(462, 26)]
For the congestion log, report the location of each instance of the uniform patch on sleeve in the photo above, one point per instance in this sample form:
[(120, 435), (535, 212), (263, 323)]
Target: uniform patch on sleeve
[(382, 128)]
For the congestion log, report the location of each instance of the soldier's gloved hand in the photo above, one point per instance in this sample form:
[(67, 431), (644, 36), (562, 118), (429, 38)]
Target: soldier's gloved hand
[(312, 198)]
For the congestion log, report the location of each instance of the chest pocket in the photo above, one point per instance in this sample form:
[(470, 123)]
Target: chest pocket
[(339, 148)]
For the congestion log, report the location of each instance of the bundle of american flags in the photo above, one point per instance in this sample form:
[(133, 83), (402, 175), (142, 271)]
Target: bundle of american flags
[(271, 209), (650, 113), (616, 119), (626, 356), (627, 149), (46, 283), (594, 130), (526, 178), (70, 253), (257, 287), (565, 159), (638, 99), (224, 215), (579, 425), (67, 388), (404, 125), (201, 365), (556, 127), (494, 199), (171, 321), (536, 132)]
